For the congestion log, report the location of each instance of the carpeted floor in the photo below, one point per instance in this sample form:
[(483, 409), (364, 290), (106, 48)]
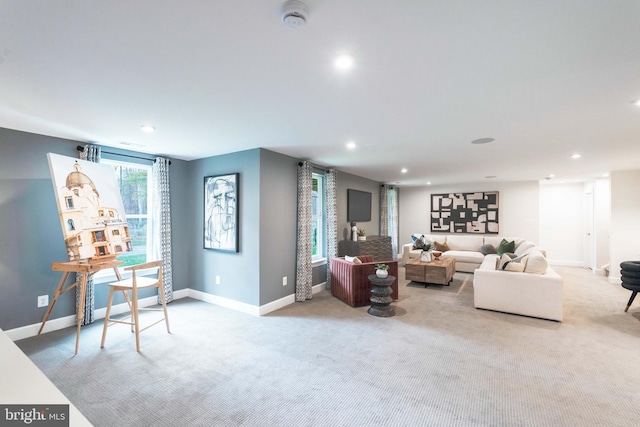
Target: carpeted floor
[(438, 362)]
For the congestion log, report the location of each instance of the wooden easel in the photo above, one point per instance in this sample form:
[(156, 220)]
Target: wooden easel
[(88, 268)]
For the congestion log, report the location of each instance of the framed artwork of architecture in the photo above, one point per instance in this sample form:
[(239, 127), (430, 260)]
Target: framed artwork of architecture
[(221, 212), (90, 208), (465, 212)]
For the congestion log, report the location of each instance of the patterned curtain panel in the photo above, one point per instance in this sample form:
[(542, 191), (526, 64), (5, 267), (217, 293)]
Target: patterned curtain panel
[(331, 219), (91, 153), (303, 252), (384, 211), (394, 226), (162, 223)]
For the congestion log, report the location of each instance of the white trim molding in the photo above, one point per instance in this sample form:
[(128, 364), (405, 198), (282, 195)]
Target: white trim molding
[(70, 321)]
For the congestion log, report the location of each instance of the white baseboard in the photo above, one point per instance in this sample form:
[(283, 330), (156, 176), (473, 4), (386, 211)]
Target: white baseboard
[(615, 279), (223, 302), (248, 308), (69, 321)]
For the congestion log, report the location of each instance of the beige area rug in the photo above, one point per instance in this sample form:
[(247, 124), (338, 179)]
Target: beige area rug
[(438, 362)]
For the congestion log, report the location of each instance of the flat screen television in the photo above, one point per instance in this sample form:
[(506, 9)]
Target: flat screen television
[(358, 206)]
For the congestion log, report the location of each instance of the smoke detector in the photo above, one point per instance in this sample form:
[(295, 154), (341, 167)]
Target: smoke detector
[(294, 13)]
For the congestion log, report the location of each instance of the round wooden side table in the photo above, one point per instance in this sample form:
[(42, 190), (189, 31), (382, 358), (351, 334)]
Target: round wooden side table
[(381, 296)]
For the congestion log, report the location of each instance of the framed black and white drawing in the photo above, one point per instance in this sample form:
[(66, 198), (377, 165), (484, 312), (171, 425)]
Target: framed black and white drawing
[(465, 212), (221, 212)]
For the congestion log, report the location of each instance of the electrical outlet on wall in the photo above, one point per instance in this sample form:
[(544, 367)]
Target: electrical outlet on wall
[(217, 280), (284, 281), (43, 300)]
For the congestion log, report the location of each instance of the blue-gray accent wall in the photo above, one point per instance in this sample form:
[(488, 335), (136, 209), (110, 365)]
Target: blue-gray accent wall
[(31, 239), (30, 234)]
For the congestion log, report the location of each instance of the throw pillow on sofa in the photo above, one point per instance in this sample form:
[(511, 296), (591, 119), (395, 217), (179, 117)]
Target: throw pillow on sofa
[(506, 246), (442, 247), (509, 262), (517, 264), (488, 249), (537, 263), (420, 243), (504, 260)]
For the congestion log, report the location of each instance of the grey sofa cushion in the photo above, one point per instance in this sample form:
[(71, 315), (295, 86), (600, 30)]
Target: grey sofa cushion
[(488, 249)]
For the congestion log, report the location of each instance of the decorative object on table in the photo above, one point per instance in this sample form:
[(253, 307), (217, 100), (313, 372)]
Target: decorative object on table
[(426, 256), (221, 212), (362, 235), (465, 212), (421, 243), (381, 296), (354, 231), (436, 255), (382, 270)]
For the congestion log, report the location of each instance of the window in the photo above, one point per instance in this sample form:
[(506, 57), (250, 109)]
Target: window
[(135, 185), (317, 217)]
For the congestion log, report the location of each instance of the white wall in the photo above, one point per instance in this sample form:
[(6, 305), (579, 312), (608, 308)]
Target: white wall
[(625, 220), (561, 223), (518, 204)]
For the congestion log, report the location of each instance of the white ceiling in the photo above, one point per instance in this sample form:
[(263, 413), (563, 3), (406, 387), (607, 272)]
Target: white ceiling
[(544, 78)]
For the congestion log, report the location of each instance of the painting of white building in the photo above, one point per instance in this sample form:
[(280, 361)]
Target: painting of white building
[(90, 208)]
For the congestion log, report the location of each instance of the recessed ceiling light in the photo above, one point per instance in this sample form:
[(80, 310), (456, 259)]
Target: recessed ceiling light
[(344, 61), (576, 156), (482, 140), (490, 176), (636, 102), (351, 145), (404, 170), (550, 176), (605, 174), (147, 128), (428, 182)]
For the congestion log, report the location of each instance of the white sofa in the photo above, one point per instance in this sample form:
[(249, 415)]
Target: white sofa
[(465, 248), (526, 293), (534, 292)]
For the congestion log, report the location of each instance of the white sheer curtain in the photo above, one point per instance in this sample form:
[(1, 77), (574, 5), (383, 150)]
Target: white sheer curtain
[(162, 223), (389, 216), (91, 153), (384, 210), (394, 226), (331, 219), (303, 250)]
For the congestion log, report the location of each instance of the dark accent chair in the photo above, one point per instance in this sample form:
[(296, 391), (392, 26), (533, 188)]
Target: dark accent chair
[(349, 281), (630, 272)]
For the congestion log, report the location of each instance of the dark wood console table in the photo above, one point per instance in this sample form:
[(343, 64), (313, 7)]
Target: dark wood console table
[(378, 246)]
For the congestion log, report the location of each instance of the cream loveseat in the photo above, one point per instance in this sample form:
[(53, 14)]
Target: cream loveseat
[(469, 251)]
